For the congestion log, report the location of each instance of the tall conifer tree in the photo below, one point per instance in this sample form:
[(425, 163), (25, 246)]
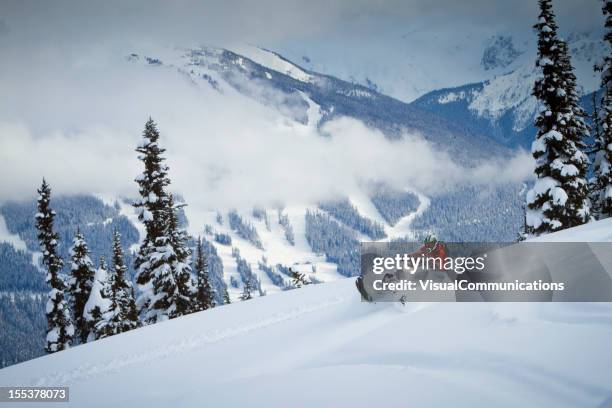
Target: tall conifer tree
[(60, 329), (162, 263), (151, 209), (122, 310), (559, 197), (205, 292)]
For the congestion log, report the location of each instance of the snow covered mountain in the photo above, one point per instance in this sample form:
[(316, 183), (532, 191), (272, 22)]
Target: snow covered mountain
[(320, 346), (495, 107), (503, 106), (312, 98)]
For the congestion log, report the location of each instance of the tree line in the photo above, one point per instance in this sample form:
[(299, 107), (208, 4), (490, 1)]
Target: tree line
[(92, 303)]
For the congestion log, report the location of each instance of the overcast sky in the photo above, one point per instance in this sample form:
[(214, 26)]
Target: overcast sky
[(265, 22)]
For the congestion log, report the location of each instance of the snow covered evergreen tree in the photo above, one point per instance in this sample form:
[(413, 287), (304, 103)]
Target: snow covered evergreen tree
[(163, 271), (246, 291), (603, 122), (226, 297), (298, 279), (152, 209), (98, 305), (60, 328), (559, 197), (122, 314), (578, 132), (205, 297), (185, 297), (81, 280)]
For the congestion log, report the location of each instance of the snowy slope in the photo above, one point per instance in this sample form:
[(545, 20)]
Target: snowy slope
[(275, 62), (8, 237), (321, 346), (276, 249), (600, 231)]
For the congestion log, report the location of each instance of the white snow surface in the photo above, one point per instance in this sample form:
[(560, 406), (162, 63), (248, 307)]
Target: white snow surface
[(276, 248), (96, 298), (13, 239), (273, 61), (510, 91), (321, 346), (600, 231)]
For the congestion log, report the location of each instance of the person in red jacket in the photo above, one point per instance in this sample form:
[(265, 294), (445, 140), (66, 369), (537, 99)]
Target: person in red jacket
[(432, 248)]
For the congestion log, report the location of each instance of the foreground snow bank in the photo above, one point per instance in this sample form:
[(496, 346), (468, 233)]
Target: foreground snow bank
[(600, 231), (321, 346)]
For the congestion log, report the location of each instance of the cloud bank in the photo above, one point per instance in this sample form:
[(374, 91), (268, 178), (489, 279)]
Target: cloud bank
[(221, 165)]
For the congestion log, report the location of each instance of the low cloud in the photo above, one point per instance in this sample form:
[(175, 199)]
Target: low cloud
[(77, 122)]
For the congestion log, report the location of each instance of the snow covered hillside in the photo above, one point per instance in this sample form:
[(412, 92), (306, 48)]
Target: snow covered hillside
[(321, 346), (267, 243)]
